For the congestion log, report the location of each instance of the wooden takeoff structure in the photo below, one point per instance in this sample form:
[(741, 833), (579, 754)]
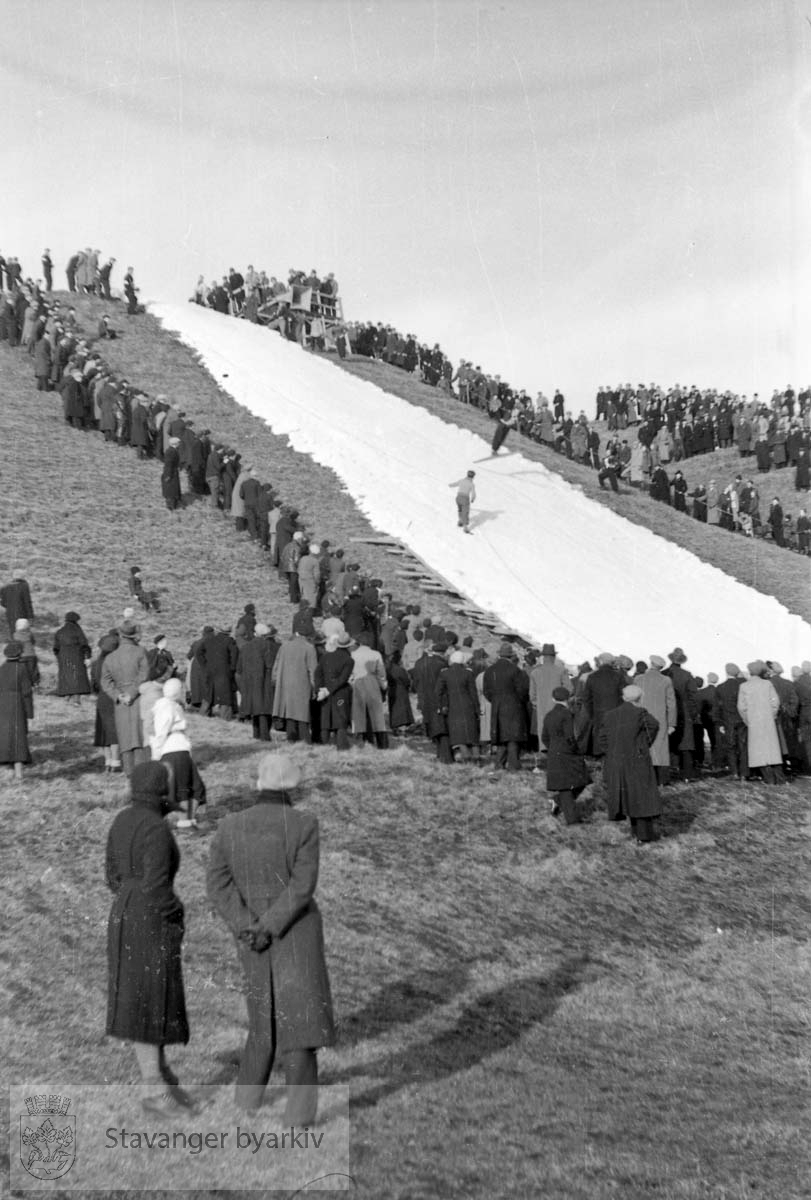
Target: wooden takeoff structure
[(413, 568)]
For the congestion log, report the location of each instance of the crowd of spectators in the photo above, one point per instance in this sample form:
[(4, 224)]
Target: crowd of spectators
[(306, 301)]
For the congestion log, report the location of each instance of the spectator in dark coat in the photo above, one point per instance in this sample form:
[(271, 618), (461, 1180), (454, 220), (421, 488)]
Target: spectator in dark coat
[(217, 656), (506, 686), (170, 475), (72, 650), (261, 879), (16, 710), (399, 687), (602, 691), (196, 679), (15, 598), (146, 1002), (254, 677), (566, 771), (106, 734), (426, 679), (729, 719), (682, 740), (626, 735), (459, 702), (333, 689)]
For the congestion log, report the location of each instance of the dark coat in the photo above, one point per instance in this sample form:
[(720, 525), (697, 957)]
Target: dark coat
[(197, 677), (72, 651), (16, 709), (105, 733), (426, 677), (146, 1002), (506, 686), (263, 867), (400, 712), (254, 670), (602, 692), (726, 704), (626, 735), (16, 600), (459, 701), (687, 708), (333, 672), (217, 656), (170, 475), (565, 766)]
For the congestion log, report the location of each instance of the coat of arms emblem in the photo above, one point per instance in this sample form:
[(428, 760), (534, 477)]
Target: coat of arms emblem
[(47, 1136)]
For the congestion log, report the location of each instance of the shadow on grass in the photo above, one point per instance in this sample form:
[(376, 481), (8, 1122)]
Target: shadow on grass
[(401, 1002), (492, 1023)]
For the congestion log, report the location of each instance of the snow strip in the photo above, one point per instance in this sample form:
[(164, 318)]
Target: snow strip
[(553, 564)]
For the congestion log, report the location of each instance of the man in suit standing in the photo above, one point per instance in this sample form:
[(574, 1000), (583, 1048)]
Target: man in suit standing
[(506, 686), (47, 270), (261, 878), (625, 736)]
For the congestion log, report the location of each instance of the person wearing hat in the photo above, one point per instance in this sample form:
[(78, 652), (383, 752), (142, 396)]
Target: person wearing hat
[(787, 719), (628, 775), (659, 699), (333, 689), (72, 651), (506, 686), (170, 744), (544, 677), (566, 771), (15, 598), (122, 673), (602, 691), (465, 496), (458, 700), (217, 656), (728, 720), (106, 733), (705, 697), (309, 575), (261, 879), (294, 680), (146, 1003), (759, 704), (254, 676), (369, 685), (16, 710), (170, 474), (682, 739)]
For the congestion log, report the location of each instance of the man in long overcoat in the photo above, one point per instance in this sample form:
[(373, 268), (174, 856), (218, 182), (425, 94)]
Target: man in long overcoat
[(254, 677), (458, 699), (261, 879), (15, 598), (682, 739), (730, 721), (759, 704), (543, 679), (122, 673), (566, 771), (626, 734), (602, 691), (368, 689), (170, 474), (506, 686), (294, 680), (218, 656), (659, 699), (333, 689)]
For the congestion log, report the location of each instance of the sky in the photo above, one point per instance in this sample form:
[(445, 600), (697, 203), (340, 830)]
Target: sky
[(567, 194)]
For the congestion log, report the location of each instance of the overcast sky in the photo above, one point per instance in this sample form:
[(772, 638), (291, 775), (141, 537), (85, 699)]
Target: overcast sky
[(568, 193)]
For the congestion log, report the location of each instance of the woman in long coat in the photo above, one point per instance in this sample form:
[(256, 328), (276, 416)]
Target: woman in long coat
[(16, 710), (72, 651), (459, 701), (400, 712), (625, 737), (106, 734), (566, 771), (146, 1002), (334, 691), (759, 704)]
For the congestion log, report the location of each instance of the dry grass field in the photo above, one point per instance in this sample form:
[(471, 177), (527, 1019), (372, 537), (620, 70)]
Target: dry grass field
[(524, 1009)]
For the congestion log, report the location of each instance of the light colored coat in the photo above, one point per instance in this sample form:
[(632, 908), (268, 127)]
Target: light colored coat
[(369, 684), (758, 704), (543, 680), (659, 698), (122, 674), (294, 676)]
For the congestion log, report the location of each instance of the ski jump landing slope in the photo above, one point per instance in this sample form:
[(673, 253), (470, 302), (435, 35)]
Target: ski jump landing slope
[(553, 564)]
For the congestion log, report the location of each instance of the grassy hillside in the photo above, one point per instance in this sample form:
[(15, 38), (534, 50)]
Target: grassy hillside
[(758, 564), (524, 1010)]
